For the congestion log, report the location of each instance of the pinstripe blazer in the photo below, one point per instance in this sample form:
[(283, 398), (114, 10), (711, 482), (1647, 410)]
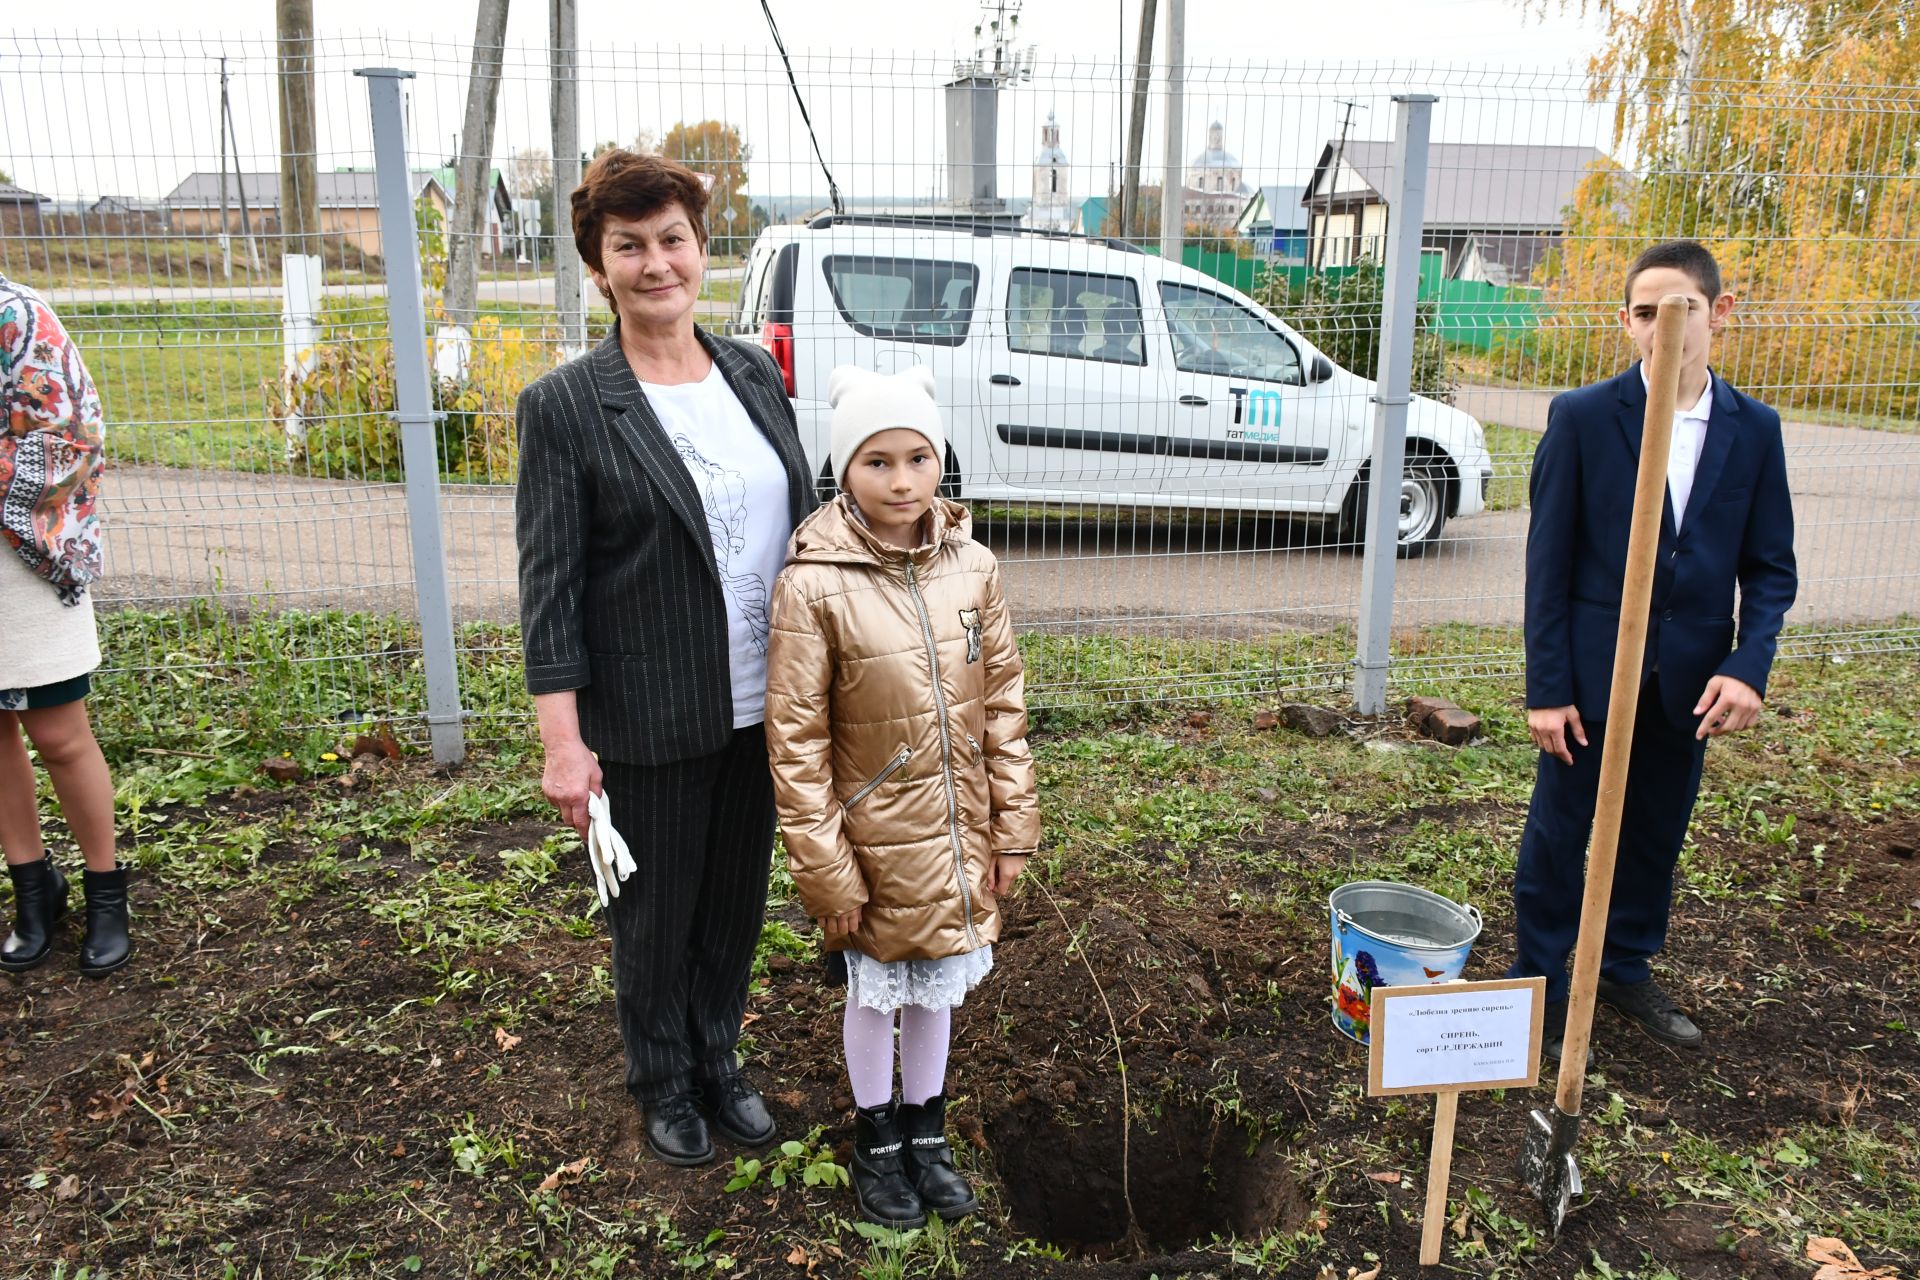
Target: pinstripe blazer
[(620, 594)]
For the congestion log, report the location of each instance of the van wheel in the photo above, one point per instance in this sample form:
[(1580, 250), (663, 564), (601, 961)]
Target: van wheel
[(1424, 494), (827, 488)]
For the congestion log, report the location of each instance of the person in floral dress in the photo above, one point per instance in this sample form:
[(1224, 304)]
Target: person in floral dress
[(50, 463)]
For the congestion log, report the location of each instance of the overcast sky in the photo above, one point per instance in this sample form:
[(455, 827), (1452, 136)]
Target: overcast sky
[(1479, 31), (126, 105)]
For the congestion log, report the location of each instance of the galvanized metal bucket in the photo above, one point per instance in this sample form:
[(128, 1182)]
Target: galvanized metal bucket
[(1392, 935)]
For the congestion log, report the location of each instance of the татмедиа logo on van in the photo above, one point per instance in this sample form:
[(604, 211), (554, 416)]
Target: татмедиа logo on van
[(1254, 407)]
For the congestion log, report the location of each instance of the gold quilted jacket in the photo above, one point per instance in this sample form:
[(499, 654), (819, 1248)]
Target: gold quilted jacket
[(897, 729)]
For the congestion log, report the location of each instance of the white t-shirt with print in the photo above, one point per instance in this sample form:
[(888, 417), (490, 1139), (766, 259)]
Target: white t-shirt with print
[(744, 490)]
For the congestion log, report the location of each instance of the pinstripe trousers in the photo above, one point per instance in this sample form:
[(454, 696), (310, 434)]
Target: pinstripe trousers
[(688, 919)]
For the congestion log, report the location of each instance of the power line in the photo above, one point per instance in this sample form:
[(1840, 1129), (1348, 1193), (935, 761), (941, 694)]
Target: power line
[(833, 188)]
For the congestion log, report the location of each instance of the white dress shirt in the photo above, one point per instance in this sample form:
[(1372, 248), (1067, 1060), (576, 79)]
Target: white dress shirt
[(1689, 438)]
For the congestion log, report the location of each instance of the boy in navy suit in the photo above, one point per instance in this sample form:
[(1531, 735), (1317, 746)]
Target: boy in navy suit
[(1728, 521)]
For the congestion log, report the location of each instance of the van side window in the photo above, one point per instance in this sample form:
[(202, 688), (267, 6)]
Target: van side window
[(904, 299), (1212, 334), (1071, 313)]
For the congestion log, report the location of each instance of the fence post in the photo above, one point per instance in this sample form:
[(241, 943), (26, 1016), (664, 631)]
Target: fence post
[(419, 454), (1173, 182), (1405, 217), (569, 283)]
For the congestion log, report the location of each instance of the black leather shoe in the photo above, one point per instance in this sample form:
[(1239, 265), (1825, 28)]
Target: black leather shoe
[(39, 903), (108, 945), (676, 1133), (736, 1108), (1645, 1004), (1553, 1033), (930, 1160), (879, 1170)]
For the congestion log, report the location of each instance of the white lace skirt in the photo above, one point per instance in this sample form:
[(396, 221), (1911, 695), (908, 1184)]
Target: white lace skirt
[(931, 984)]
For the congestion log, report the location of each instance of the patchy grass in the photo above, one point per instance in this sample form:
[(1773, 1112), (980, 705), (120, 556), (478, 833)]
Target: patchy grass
[(161, 261), (194, 384), (185, 384), (369, 1028), (1512, 451)]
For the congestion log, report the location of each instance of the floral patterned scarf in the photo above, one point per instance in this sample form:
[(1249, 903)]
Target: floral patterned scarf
[(50, 445)]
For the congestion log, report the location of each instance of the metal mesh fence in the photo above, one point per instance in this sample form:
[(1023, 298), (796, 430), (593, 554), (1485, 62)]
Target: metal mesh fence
[(1168, 459)]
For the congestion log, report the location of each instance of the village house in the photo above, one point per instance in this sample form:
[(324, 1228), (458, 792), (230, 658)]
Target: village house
[(1493, 210)]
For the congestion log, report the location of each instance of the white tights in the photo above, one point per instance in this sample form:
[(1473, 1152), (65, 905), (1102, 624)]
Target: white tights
[(924, 1035)]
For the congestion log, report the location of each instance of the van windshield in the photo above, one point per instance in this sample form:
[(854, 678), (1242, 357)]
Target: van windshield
[(904, 299)]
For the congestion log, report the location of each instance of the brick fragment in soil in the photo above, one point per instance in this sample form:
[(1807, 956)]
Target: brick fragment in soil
[(1452, 725)]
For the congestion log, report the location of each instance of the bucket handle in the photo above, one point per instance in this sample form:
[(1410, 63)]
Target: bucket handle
[(1346, 921)]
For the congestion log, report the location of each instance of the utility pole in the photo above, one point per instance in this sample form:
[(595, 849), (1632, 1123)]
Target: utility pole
[(1173, 213), (973, 107), (220, 125), (239, 179), (563, 51), (471, 193), (1131, 223), (299, 160), (1332, 177), (300, 252)]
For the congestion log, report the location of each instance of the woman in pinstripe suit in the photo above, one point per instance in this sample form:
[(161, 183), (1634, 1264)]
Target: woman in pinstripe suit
[(660, 478)]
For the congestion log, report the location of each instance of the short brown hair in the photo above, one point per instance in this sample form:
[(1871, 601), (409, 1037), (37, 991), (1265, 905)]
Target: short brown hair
[(623, 184), (1689, 257)]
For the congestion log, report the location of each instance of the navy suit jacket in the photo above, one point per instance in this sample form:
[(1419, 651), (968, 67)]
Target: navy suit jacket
[(1738, 530)]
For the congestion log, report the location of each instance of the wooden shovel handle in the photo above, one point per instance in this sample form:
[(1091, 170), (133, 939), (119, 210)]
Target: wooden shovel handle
[(1629, 655)]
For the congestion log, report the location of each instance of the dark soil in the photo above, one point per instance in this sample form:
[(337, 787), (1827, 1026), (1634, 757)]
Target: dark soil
[(151, 1090)]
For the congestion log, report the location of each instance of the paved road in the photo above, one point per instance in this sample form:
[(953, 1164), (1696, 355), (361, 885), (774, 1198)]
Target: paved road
[(287, 541), (528, 291)]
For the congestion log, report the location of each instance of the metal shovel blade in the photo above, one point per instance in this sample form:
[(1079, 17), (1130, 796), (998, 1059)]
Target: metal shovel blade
[(1547, 1166)]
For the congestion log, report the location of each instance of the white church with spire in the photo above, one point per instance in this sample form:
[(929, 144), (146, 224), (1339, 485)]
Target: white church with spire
[(1052, 207)]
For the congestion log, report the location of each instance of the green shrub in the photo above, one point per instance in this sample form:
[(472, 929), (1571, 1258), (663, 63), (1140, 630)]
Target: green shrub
[(346, 402), (1339, 311)]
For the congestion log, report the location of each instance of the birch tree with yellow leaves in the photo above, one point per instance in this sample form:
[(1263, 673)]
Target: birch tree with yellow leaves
[(1784, 134)]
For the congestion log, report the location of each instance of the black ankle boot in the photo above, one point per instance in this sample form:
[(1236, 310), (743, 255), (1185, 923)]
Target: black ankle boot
[(107, 944), (930, 1160), (879, 1172), (39, 903)]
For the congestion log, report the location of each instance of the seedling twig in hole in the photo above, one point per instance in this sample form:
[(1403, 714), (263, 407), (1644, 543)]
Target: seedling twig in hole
[(1134, 1238)]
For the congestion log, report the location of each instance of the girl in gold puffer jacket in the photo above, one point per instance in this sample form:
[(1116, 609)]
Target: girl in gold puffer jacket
[(897, 731)]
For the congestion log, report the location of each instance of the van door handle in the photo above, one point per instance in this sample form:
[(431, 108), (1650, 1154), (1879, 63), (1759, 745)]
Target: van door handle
[(1196, 401), (1004, 380)]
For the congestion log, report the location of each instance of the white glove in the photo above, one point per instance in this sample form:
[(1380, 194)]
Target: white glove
[(606, 850)]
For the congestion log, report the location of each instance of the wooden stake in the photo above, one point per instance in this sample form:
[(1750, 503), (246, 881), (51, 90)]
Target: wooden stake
[(1623, 700), (1446, 1108)]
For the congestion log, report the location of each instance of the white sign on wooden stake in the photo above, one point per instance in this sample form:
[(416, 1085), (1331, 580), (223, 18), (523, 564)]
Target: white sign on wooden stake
[(1458, 1035), (1446, 1039)]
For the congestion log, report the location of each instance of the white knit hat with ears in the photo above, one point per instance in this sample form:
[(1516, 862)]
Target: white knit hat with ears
[(866, 403)]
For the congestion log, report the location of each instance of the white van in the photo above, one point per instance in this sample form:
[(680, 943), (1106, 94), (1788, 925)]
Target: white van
[(1082, 371)]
